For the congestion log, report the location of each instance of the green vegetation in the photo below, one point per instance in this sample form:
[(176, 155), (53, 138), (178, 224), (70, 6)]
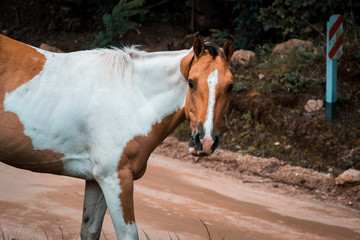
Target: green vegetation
[(119, 21), (287, 71), (183, 131), (276, 72), (257, 22), (246, 29)]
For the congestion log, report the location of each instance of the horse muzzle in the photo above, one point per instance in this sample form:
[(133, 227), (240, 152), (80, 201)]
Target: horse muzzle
[(202, 146)]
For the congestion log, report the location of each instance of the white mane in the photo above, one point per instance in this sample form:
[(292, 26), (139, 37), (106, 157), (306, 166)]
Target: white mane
[(117, 60), (114, 60)]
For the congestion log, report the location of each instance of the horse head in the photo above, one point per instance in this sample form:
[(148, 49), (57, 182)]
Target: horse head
[(210, 82)]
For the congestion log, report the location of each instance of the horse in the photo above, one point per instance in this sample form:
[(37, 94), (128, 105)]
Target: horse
[(98, 114)]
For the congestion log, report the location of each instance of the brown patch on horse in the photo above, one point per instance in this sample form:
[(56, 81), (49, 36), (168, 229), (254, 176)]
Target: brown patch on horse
[(19, 64), (133, 161), (127, 194)]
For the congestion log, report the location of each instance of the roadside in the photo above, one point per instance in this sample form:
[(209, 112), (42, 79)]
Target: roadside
[(269, 173)]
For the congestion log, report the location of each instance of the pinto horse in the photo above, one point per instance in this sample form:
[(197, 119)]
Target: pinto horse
[(98, 114)]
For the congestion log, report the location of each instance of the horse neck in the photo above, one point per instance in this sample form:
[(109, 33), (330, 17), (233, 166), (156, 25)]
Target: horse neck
[(161, 91), (159, 71), (158, 81)]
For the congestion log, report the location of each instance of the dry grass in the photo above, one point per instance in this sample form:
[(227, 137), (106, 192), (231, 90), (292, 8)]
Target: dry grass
[(7, 237), (209, 236)]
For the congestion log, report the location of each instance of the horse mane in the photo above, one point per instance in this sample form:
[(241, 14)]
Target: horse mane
[(214, 50), (116, 59)]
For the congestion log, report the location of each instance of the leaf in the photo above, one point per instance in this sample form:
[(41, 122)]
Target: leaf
[(119, 21), (107, 19)]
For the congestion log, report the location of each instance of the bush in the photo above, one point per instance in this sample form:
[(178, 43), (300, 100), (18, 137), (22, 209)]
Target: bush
[(286, 71), (307, 18), (257, 22), (246, 29), (119, 21)]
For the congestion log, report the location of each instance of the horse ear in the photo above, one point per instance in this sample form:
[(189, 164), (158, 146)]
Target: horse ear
[(199, 46), (228, 49)]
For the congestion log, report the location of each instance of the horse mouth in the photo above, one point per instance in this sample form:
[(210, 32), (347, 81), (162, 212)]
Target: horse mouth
[(196, 148), (196, 153)]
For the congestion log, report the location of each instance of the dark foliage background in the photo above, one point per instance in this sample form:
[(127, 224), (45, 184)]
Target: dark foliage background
[(249, 22)]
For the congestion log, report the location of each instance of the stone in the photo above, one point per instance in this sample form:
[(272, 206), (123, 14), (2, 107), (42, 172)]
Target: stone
[(313, 105), (283, 48), (243, 57), (350, 176), (49, 48)]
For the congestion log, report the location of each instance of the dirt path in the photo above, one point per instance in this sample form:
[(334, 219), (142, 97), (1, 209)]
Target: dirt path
[(171, 198)]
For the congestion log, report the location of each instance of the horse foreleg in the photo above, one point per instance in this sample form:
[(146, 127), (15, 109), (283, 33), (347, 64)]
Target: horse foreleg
[(118, 192), (93, 212)]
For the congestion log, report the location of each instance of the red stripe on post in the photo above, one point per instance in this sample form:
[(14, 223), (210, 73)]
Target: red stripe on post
[(336, 46), (335, 26)]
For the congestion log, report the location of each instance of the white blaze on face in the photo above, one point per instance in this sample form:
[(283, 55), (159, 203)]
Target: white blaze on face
[(212, 81)]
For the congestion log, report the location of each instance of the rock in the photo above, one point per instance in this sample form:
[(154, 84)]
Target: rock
[(313, 105), (350, 176), (243, 57), (284, 47), (49, 48)]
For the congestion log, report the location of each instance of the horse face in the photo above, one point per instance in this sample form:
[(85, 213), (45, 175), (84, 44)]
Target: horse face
[(207, 100)]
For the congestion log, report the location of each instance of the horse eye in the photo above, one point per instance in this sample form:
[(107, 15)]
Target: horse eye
[(191, 84), (230, 88)]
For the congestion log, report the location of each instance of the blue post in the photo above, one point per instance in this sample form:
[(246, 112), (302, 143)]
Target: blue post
[(331, 77)]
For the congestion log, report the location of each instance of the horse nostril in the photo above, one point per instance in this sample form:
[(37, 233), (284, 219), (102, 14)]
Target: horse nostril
[(198, 145), (192, 142), (195, 142), (216, 143)]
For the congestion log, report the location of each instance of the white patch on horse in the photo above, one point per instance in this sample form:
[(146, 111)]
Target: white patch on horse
[(212, 81)]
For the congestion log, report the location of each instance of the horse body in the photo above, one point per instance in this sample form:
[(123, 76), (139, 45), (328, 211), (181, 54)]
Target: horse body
[(95, 115), (78, 107)]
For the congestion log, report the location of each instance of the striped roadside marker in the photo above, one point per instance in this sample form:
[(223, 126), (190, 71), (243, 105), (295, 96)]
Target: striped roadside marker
[(333, 52)]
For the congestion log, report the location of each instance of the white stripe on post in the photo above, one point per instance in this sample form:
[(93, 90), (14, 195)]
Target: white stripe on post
[(334, 40)]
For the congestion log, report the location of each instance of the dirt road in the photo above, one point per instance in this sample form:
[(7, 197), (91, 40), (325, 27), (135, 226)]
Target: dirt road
[(171, 198)]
